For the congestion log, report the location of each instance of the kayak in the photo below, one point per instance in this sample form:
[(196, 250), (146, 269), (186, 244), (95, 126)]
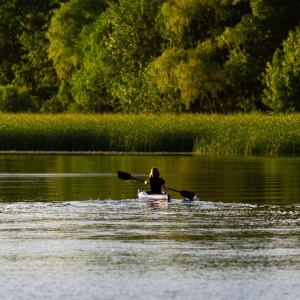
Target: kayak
[(144, 196)]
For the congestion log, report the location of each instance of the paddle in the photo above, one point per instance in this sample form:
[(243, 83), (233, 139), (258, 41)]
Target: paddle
[(186, 194)]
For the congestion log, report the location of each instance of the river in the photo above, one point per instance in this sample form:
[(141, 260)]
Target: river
[(70, 229)]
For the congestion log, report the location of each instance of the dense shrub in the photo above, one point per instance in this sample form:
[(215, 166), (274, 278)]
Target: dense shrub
[(16, 100)]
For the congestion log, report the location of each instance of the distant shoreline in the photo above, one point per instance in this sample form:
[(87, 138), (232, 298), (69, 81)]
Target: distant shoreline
[(93, 153)]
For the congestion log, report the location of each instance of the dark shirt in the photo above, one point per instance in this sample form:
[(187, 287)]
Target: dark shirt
[(155, 185)]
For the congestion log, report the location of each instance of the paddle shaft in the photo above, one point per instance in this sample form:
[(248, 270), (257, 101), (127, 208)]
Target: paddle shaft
[(174, 190), (136, 179)]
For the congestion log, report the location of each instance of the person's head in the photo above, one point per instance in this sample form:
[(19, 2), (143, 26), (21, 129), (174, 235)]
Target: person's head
[(154, 172)]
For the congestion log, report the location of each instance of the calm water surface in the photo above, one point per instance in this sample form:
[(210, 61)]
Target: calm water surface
[(70, 229)]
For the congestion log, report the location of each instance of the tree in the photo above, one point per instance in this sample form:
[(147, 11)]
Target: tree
[(192, 66), (251, 44), (158, 55), (282, 77), (23, 47), (9, 43), (217, 50), (118, 48), (66, 42)]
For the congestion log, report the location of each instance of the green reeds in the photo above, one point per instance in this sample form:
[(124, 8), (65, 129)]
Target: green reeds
[(242, 134), (251, 134)]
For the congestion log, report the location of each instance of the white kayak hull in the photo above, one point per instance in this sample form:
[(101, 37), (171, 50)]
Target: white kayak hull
[(144, 196)]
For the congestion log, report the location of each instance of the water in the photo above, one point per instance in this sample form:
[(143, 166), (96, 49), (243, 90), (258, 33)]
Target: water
[(70, 229)]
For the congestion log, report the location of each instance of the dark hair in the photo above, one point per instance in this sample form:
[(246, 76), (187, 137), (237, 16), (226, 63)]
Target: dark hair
[(154, 173)]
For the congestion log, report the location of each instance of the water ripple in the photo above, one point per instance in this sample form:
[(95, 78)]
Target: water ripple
[(78, 249)]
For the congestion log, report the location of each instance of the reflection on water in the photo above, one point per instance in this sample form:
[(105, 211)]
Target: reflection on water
[(70, 229)]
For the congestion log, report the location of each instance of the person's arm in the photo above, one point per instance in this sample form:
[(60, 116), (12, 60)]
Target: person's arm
[(165, 187), (147, 181)]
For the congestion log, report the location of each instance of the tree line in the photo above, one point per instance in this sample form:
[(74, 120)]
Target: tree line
[(149, 55)]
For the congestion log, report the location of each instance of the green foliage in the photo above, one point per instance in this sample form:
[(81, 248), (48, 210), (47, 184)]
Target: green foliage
[(23, 46), (36, 71), (193, 72), (282, 76), (65, 48), (16, 100), (192, 66), (9, 44), (216, 51), (152, 55), (119, 46)]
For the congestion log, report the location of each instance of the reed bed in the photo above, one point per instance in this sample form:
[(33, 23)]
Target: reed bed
[(241, 134)]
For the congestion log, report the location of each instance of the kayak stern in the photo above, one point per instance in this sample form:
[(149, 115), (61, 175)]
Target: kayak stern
[(146, 196)]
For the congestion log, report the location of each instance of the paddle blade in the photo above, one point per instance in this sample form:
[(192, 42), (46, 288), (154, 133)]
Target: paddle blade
[(124, 175), (187, 194)]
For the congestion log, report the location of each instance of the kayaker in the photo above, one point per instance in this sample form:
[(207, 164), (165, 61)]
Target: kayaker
[(156, 183)]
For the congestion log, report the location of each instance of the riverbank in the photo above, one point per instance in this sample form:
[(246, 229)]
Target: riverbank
[(94, 153), (240, 134)]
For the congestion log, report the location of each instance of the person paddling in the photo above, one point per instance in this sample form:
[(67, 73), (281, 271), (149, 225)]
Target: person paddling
[(155, 182)]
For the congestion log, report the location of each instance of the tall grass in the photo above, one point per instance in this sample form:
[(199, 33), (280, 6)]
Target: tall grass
[(251, 134)]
